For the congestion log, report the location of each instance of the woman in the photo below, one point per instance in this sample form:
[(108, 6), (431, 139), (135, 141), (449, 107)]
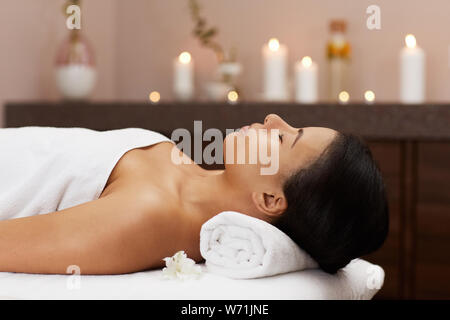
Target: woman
[(327, 195)]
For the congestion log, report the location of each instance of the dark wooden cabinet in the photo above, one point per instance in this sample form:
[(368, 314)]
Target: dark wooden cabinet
[(416, 255), (432, 276), (411, 144), (388, 158)]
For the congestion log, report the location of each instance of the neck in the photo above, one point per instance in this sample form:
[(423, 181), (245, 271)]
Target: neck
[(209, 194)]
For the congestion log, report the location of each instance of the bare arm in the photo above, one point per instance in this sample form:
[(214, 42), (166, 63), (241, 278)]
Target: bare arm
[(108, 236)]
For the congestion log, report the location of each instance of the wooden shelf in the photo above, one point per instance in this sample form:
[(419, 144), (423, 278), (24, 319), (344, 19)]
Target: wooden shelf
[(378, 121)]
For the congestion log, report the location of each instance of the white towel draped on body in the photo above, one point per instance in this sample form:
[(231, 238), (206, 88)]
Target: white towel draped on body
[(239, 246), (46, 169)]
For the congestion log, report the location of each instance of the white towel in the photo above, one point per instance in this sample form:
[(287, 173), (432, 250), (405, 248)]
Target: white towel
[(45, 169), (243, 247)]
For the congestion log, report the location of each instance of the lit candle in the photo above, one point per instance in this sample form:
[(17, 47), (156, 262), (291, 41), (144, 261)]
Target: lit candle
[(369, 96), (184, 76), (412, 72), (306, 81), (275, 63)]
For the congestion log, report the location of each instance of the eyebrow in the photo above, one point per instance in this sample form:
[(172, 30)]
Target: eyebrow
[(299, 135)]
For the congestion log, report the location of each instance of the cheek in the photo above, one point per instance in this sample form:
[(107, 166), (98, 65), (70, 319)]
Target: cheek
[(287, 165), (263, 147), (229, 142), (255, 149), (274, 143), (237, 145), (270, 146)]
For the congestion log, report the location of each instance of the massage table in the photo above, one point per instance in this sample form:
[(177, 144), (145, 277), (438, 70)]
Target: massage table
[(358, 280)]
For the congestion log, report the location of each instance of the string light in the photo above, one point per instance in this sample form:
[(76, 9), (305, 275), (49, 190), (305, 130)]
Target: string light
[(369, 96), (154, 97), (344, 97), (232, 96)]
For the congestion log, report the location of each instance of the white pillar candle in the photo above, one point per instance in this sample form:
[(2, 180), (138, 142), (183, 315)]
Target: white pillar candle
[(412, 72), (275, 64), (306, 81), (184, 77)]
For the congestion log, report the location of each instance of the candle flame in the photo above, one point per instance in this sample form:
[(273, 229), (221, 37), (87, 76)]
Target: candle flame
[(154, 96), (410, 41), (307, 62), (232, 96), (274, 44), (184, 57), (344, 97), (369, 95)]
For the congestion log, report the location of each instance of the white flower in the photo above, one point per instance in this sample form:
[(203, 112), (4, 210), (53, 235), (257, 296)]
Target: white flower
[(180, 267)]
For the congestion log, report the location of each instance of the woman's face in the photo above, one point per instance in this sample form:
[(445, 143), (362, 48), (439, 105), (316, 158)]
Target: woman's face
[(272, 150)]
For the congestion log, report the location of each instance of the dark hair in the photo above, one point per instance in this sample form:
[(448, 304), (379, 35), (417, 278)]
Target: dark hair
[(337, 208)]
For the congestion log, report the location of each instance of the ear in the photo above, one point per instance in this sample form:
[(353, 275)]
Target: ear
[(269, 203)]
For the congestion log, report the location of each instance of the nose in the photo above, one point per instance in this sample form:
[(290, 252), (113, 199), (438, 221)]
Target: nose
[(275, 121)]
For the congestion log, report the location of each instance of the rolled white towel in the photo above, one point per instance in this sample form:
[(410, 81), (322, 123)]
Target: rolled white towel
[(243, 247)]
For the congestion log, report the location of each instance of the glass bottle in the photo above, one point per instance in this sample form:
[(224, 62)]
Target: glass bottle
[(338, 54)]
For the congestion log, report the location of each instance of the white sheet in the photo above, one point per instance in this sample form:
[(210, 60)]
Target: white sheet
[(358, 280)]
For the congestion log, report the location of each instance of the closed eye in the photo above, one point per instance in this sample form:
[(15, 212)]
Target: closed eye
[(281, 137), (299, 135)]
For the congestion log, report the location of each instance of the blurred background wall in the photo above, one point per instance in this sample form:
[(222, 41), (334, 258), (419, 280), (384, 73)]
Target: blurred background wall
[(136, 41), (31, 32)]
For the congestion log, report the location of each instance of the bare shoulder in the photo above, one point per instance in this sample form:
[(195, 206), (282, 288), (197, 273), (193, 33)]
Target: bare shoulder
[(175, 228), (157, 208), (149, 228)]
